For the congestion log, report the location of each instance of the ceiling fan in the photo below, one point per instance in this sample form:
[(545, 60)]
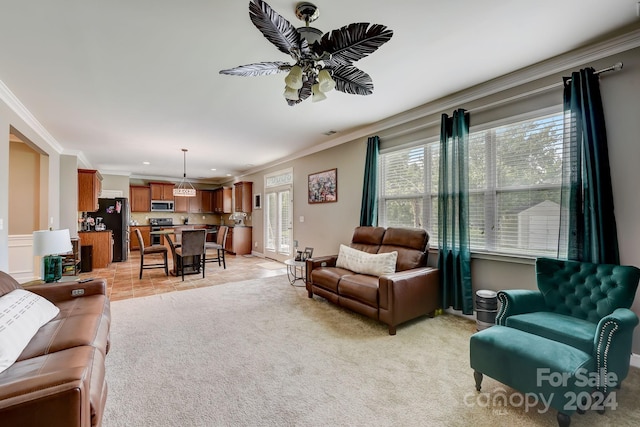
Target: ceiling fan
[(322, 62)]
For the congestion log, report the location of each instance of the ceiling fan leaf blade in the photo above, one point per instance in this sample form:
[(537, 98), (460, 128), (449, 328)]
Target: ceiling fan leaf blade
[(275, 28), (353, 42), (352, 80), (258, 69)]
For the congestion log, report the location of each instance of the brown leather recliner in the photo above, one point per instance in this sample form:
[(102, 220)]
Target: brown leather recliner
[(59, 378), (412, 291)]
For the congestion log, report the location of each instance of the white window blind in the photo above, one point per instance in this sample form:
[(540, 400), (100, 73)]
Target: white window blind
[(514, 187)]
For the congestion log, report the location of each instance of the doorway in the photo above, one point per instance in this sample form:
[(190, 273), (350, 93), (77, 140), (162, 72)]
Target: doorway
[(278, 218)]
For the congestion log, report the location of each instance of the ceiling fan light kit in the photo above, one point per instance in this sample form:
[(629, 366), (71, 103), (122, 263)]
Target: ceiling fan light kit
[(322, 62)]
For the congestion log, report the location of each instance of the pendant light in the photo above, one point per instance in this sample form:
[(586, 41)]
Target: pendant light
[(184, 189)]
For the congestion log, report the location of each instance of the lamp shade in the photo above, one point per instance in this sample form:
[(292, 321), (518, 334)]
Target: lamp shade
[(291, 93), (294, 78), (51, 242), (325, 81), (317, 94)]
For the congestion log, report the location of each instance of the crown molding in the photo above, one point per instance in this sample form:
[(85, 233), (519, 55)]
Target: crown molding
[(18, 108)]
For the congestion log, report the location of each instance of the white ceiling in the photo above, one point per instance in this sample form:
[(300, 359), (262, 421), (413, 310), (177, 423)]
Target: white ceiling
[(122, 82)]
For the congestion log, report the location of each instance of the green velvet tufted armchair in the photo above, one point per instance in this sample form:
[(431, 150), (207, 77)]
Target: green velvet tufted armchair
[(580, 304)]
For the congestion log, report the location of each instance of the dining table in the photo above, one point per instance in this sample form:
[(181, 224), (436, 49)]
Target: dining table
[(167, 233)]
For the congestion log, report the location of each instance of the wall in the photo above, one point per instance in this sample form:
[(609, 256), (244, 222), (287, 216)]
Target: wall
[(14, 117), (116, 182), (24, 189), (69, 194), (327, 225)]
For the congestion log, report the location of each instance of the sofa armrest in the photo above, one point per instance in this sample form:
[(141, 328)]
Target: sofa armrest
[(62, 291), (317, 262), (612, 345), (408, 294), (38, 398), (518, 301)]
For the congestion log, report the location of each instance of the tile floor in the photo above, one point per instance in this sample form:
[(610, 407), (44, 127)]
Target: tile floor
[(123, 282)]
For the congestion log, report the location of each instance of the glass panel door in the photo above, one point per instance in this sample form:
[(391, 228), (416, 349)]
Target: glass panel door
[(278, 223)]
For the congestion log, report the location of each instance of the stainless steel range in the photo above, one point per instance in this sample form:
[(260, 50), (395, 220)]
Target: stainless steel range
[(156, 225)]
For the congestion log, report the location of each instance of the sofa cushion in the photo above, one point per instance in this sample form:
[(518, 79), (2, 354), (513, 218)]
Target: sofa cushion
[(367, 239), (328, 277), (366, 263), (22, 313), (73, 331), (360, 287), (411, 245), (569, 330)]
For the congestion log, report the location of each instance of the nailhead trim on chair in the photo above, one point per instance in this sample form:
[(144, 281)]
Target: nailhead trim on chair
[(504, 305), (604, 372)]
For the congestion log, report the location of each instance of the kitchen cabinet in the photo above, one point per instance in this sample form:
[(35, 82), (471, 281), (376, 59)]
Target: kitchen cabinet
[(244, 195), (222, 200), (89, 187), (140, 196), (133, 240), (102, 243), (181, 204), (239, 240), (161, 190), (201, 203), (207, 201), (195, 203)]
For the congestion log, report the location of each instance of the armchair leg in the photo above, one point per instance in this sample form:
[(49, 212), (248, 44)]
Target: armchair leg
[(478, 377), (392, 330), (564, 420)]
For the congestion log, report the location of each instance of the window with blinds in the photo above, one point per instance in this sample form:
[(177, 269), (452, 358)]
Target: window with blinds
[(514, 187)]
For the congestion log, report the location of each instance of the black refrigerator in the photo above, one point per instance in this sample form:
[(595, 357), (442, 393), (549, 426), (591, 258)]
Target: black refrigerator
[(115, 216)]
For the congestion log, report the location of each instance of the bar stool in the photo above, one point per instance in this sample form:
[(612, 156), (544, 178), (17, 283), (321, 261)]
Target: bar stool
[(219, 246), (149, 250), (192, 246)]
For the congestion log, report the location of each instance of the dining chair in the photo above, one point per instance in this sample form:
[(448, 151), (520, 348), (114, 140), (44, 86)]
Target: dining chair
[(219, 246), (192, 246), (151, 250)]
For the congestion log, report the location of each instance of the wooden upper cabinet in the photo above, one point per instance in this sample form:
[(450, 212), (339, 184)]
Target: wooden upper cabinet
[(140, 196), (161, 190), (244, 195), (207, 201), (195, 203), (89, 187), (222, 199), (181, 204)]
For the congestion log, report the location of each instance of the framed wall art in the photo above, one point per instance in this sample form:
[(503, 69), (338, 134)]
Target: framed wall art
[(323, 186)]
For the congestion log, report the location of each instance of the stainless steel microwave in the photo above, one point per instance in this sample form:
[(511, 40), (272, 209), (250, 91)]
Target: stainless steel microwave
[(162, 206)]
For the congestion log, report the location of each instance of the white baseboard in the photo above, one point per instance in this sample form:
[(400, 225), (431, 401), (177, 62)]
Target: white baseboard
[(635, 360)]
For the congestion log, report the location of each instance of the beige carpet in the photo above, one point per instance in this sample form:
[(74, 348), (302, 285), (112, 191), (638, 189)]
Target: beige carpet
[(260, 353)]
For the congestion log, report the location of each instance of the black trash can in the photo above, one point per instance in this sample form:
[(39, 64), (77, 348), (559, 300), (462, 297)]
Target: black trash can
[(486, 308), (86, 258)]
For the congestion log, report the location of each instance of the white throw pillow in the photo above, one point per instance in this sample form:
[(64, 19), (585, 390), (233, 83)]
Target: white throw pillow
[(366, 263), (22, 313)]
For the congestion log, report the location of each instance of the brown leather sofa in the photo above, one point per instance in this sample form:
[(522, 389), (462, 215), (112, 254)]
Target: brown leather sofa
[(412, 291), (59, 379)]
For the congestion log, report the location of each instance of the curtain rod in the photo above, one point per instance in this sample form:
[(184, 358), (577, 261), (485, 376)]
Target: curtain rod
[(615, 67)]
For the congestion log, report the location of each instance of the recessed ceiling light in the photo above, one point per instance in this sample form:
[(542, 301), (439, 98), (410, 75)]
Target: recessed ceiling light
[(146, 163), (228, 174), (213, 169)]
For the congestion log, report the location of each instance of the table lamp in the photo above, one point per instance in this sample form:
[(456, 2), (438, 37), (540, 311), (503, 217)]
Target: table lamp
[(49, 244)]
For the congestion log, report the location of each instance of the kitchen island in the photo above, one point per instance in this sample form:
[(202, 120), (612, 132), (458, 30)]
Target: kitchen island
[(102, 246)]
